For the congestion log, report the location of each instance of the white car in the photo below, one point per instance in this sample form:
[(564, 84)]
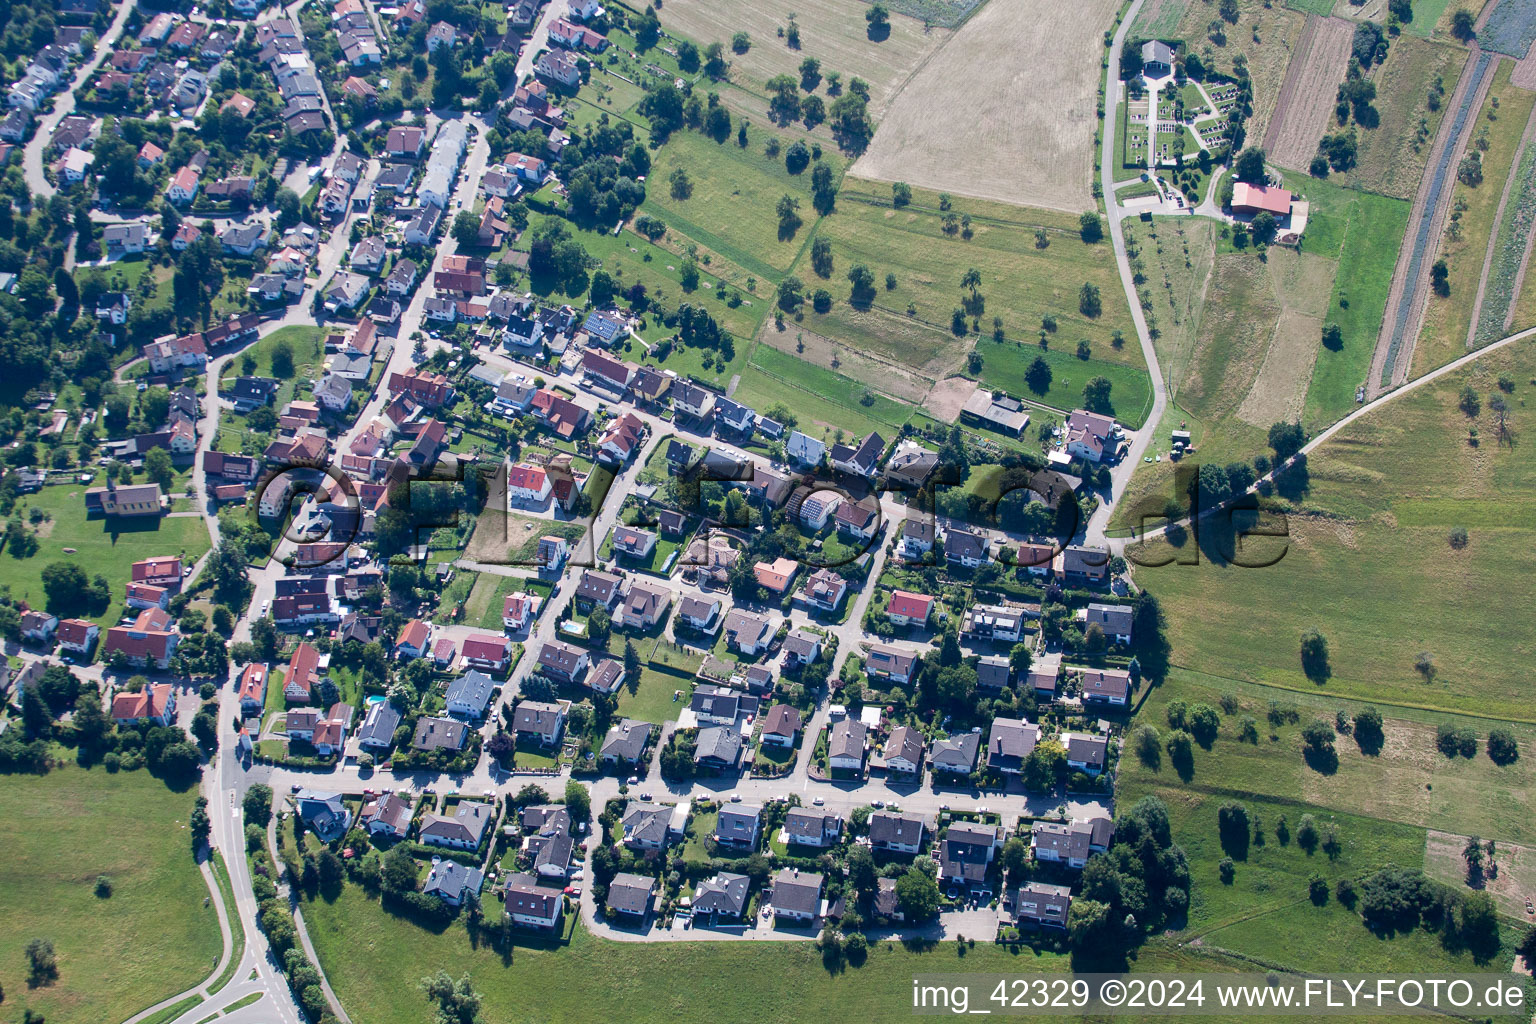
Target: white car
[(735, 798), (819, 801), (265, 605)]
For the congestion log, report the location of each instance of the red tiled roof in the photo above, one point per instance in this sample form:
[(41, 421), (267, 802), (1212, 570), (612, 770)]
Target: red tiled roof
[(486, 648), (303, 669), (913, 606)]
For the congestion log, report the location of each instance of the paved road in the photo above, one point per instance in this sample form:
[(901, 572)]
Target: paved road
[(64, 104), (1120, 474), (538, 38)]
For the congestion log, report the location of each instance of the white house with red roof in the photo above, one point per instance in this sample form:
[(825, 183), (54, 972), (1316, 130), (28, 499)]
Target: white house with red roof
[(183, 187), (78, 636), (303, 674), (156, 702), (151, 639), (519, 609), (252, 688), (160, 572), (414, 639), (528, 485), (909, 609), (488, 652)]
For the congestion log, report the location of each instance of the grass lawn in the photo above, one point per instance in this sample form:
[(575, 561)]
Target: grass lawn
[(695, 849), (1369, 562), (102, 546), (152, 937), (735, 191), (1022, 281), (1004, 365), (490, 591), (651, 700), (633, 259), (1407, 781), (308, 344), (817, 395), (1447, 319)]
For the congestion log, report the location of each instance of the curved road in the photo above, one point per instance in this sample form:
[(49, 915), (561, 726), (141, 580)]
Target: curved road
[(1120, 474), (64, 103)]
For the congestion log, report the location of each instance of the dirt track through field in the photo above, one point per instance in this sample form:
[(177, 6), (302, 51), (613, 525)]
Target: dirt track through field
[(1005, 110), (1307, 96)]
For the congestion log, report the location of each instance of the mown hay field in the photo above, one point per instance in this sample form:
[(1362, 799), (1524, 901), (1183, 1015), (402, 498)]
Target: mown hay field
[(1005, 110), (1305, 107), (1023, 281), (1267, 36), (1369, 562)]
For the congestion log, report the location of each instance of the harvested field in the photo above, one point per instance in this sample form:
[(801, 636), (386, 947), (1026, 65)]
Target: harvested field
[(896, 381), (1392, 155), (1524, 75), (1006, 110), (1510, 886), (832, 31), (948, 397), (1280, 390), (1279, 32), (1305, 106)]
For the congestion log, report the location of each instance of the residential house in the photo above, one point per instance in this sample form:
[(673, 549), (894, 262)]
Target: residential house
[(326, 815), (645, 605), (781, 726), (470, 694), (777, 575), (966, 851), (796, 895), (699, 613), (723, 896), (812, 826), (156, 702), (413, 639), (632, 542), (917, 535), (39, 627), (150, 640), (861, 459), (625, 742), (518, 610), (1085, 752), (78, 636), (890, 663), (738, 826), (858, 519), (1105, 686), (997, 623), (801, 647), (908, 609), (748, 632), (1113, 619), (377, 733), (846, 743), (646, 826), (803, 450), (1083, 566), (563, 662), (597, 588), (904, 751), (692, 400), (439, 734), (955, 755), (387, 815), (825, 589), (463, 830), (303, 674), (1068, 843), (492, 653), (895, 832), (718, 748), (966, 548), (449, 881), (1037, 905), (996, 411), (733, 416), (538, 722), (1091, 436), (630, 896), (1010, 741)]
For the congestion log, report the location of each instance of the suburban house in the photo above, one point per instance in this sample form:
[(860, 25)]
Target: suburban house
[(1091, 436), (439, 734), (996, 411), (39, 627), (470, 694), (632, 542), (722, 896), (966, 851), (993, 622), (781, 726), (1085, 752), (492, 653), (325, 813), (699, 613), (811, 826), (625, 742), (646, 826), (462, 830), (449, 880), (156, 702), (1068, 843), (150, 640), (804, 450), (1010, 741), (955, 755), (377, 733), (303, 674), (519, 609), (825, 589), (413, 640), (846, 742), (796, 895), (539, 722), (963, 547), (531, 905), (861, 459), (917, 535), (858, 519), (252, 688), (748, 632), (387, 815), (892, 663), (78, 636), (1106, 686), (738, 826), (645, 605), (718, 748), (801, 647), (1083, 566), (563, 662), (904, 751), (597, 588), (895, 832), (1113, 619), (630, 896), (777, 575), (909, 609), (993, 672), (528, 485), (1037, 905)]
